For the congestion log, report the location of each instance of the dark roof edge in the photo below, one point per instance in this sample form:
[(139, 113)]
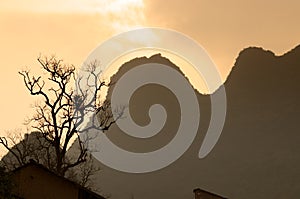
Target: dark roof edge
[(34, 163), (198, 189)]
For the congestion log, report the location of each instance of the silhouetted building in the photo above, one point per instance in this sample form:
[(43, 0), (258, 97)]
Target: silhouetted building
[(34, 181), (201, 194)]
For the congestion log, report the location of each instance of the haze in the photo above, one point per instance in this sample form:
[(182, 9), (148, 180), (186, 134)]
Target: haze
[(72, 28)]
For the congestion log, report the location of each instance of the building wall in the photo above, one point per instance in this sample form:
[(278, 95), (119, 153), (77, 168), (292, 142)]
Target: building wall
[(34, 182)]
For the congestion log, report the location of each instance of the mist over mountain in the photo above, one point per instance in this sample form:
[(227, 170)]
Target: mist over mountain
[(257, 155)]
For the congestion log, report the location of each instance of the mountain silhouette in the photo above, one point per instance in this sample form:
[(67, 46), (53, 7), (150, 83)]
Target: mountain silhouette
[(30, 146), (257, 155)]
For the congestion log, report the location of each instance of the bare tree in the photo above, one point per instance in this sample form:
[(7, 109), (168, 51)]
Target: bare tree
[(60, 114)]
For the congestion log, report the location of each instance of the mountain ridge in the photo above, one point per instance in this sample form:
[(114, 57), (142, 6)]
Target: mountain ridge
[(255, 151), (260, 53)]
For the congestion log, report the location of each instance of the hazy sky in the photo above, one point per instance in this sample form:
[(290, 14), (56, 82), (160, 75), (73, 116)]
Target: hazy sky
[(71, 29)]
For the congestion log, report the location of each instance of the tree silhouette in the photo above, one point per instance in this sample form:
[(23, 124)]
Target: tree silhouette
[(60, 114)]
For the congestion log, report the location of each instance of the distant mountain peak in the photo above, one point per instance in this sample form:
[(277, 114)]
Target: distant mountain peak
[(155, 58), (253, 50), (254, 64)]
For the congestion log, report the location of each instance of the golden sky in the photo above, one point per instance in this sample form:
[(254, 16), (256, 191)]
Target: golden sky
[(71, 29)]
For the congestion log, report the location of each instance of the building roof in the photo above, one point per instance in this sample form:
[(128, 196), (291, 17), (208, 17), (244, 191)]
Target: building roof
[(210, 193), (32, 163)]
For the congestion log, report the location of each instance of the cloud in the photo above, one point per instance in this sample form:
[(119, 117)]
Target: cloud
[(120, 14)]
